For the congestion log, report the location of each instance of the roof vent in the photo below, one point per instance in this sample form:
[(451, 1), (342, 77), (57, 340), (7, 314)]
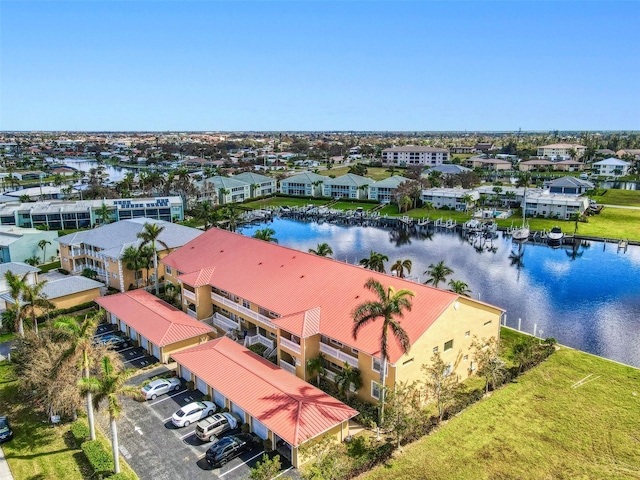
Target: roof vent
[(301, 276), (259, 263), (221, 251), (281, 266), (357, 296)]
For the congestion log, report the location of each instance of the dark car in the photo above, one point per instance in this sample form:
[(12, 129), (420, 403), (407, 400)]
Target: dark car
[(6, 433), (229, 447), (113, 340)]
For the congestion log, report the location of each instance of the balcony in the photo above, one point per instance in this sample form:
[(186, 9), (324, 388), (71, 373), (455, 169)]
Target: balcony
[(340, 355), (288, 367), (257, 338), (242, 310), (225, 323), (192, 313), (190, 295), (290, 345)]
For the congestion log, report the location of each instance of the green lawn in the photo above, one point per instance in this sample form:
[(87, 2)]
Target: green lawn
[(375, 173), (289, 201), (618, 197), (39, 450), (538, 428)]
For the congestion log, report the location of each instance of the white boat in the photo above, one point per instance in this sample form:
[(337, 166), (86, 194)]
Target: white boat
[(522, 234), (555, 236)]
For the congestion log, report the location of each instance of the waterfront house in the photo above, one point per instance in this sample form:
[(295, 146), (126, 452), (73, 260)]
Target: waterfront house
[(347, 186), (384, 190), (259, 185), (555, 205), (299, 305), (611, 167), (459, 199), (222, 190), (305, 184)]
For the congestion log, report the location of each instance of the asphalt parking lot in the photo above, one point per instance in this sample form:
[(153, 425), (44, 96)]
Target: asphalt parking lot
[(152, 445)]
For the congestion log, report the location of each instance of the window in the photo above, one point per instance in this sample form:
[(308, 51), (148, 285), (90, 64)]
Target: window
[(407, 362), (273, 335), (246, 303), (375, 366), (335, 342), (467, 333), (354, 351), (448, 371), (375, 390), (448, 345), (465, 358), (435, 349), (167, 270), (487, 323)]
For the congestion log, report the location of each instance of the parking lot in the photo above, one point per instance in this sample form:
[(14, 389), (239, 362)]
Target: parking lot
[(153, 446)]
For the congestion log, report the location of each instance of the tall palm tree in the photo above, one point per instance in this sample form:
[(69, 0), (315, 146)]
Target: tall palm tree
[(389, 306), (109, 386), (15, 284), (231, 214), (468, 200), (459, 287), (266, 234), (104, 214), (322, 250), (438, 273), (43, 246), (207, 213), (79, 353), (149, 236), (315, 366), (33, 298), (375, 262), (346, 377), (400, 266)]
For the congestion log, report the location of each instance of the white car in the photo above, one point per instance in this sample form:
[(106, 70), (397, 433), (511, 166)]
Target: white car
[(193, 412), (160, 387)]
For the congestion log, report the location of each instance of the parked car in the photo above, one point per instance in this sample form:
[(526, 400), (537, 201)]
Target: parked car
[(229, 447), (211, 427), (6, 433), (160, 387), (192, 412), (113, 340)]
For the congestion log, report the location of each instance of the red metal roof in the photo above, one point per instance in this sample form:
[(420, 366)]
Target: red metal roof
[(287, 405), (154, 319), (288, 281)]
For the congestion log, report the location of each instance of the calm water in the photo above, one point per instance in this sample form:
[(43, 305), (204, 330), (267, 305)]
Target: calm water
[(587, 297), (115, 173)]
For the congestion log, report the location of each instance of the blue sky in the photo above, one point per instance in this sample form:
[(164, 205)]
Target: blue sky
[(316, 65)]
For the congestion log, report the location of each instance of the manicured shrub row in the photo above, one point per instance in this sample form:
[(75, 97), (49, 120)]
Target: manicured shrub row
[(66, 311), (99, 457), (80, 432)]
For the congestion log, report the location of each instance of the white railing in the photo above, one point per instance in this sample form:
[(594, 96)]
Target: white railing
[(242, 310), (329, 375), (340, 355), (252, 340), (191, 313), (288, 367), (188, 294), (224, 322), (293, 346)]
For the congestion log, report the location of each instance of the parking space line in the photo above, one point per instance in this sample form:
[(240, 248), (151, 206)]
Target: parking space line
[(165, 420), (134, 359), (101, 334), (282, 473), (238, 466), (155, 402), (187, 435), (125, 349)]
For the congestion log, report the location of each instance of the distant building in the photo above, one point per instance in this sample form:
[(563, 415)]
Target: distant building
[(37, 193), (484, 147), (303, 185), (569, 185), (488, 163), (452, 198), (635, 153), (19, 244), (448, 169), (259, 185), (463, 150), (561, 151), (538, 164), (347, 186), (414, 155), (222, 190), (569, 166), (384, 190), (611, 167)]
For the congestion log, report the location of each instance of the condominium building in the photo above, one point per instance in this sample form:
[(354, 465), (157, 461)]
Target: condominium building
[(459, 199), (611, 167), (384, 190), (347, 186), (561, 151), (303, 185), (414, 155)]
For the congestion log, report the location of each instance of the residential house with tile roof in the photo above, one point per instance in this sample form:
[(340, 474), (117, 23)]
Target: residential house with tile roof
[(347, 186), (305, 184)]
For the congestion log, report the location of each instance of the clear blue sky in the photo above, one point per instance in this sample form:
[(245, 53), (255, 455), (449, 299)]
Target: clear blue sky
[(301, 65)]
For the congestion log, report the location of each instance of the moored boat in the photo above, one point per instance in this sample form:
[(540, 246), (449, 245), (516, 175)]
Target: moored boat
[(555, 236)]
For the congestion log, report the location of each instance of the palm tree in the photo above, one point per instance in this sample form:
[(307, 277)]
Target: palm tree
[(79, 352), (389, 306), (322, 250), (266, 234), (43, 246), (459, 287), (149, 236), (438, 273), (231, 215), (400, 266), (315, 366), (223, 192), (131, 257), (347, 377), (109, 386), (207, 213), (15, 284), (104, 214), (33, 298), (467, 199), (375, 262)]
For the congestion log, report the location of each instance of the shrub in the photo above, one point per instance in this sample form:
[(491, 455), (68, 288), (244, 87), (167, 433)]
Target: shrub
[(257, 348), (206, 398), (244, 428), (190, 385), (267, 445), (80, 432), (63, 271), (99, 457)]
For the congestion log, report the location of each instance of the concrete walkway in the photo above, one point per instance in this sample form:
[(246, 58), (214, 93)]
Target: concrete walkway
[(5, 472)]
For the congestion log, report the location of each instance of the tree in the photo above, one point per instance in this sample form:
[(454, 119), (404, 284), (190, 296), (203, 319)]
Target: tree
[(104, 214), (43, 246), (266, 234), (15, 284), (347, 377), (89, 273), (109, 386), (322, 250), (80, 352), (403, 409), (389, 306), (375, 262), (266, 469), (149, 236), (207, 213), (132, 259), (441, 383), (34, 299), (437, 273), (459, 287), (468, 200), (231, 215), (32, 260), (400, 266), (315, 366), (489, 365)]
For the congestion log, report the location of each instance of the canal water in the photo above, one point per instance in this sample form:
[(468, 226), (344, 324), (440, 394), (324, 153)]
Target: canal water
[(115, 174), (587, 295)]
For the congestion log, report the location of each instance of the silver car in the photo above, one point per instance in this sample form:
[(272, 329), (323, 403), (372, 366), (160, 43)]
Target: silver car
[(160, 387), (193, 412)]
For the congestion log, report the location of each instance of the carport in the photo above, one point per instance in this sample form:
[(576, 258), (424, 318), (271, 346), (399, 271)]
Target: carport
[(153, 324), (277, 405)]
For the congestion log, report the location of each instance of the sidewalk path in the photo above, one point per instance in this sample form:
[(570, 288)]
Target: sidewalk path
[(5, 472), (626, 207)]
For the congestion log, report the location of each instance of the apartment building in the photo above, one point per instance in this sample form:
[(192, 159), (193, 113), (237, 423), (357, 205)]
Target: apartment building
[(304, 185), (459, 199), (611, 167), (414, 155), (259, 185), (561, 151), (384, 190), (347, 186), (299, 305)]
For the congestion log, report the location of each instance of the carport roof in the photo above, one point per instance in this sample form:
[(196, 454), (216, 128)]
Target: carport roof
[(295, 410), (154, 319)]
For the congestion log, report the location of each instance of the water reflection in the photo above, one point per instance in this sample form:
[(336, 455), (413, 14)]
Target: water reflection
[(586, 294)]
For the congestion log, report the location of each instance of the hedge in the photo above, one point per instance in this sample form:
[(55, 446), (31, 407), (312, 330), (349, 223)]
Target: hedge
[(66, 311), (80, 432), (99, 457)]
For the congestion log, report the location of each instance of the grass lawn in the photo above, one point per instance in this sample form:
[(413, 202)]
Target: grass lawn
[(538, 428), (353, 205), (618, 197), (289, 201), (39, 450), (5, 337)]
